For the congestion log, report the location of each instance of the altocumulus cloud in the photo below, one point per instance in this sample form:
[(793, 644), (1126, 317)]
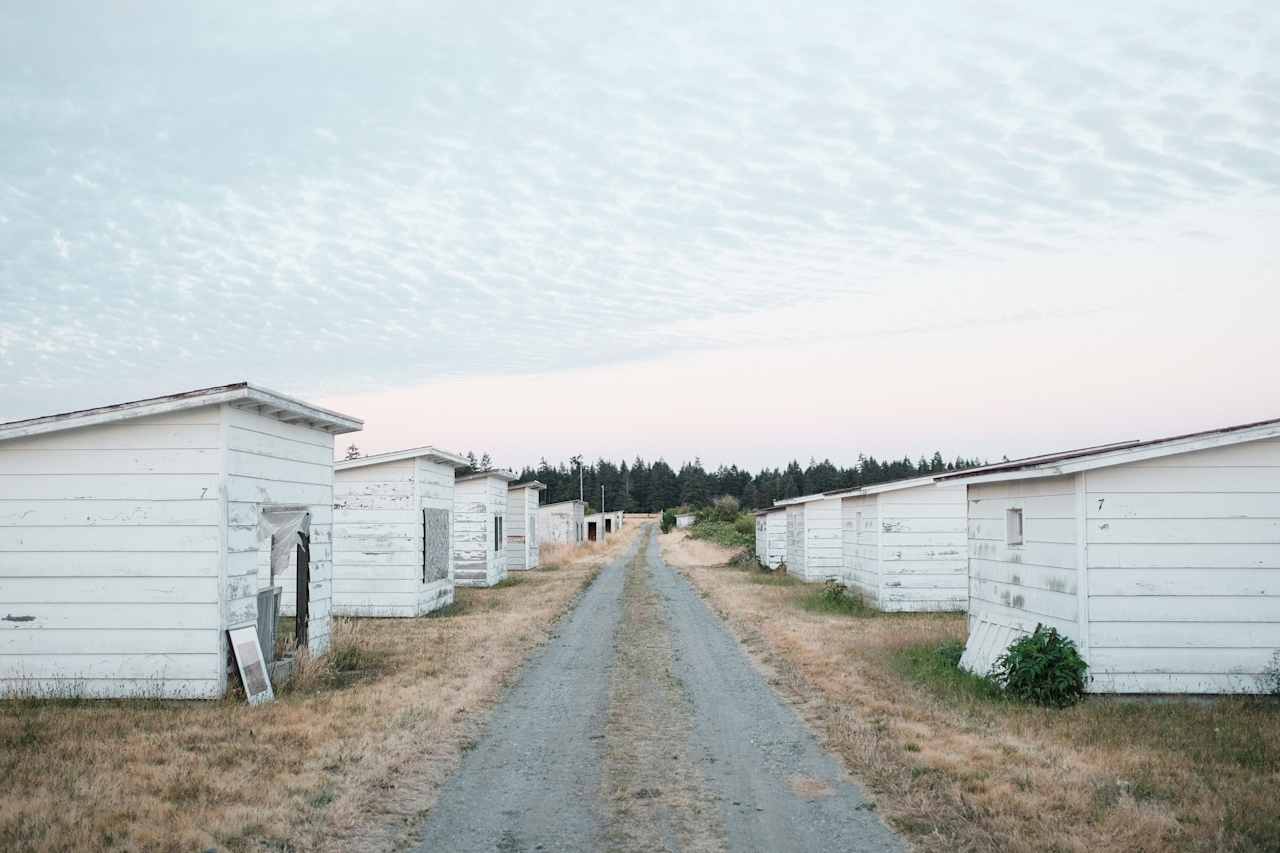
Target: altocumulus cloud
[(333, 197)]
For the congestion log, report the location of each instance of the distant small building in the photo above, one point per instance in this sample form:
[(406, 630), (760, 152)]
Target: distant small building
[(1161, 559), (771, 536), (601, 525), (522, 525), (904, 545), (686, 519), (479, 528), (393, 533), (815, 550), (135, 535), (561, 523)]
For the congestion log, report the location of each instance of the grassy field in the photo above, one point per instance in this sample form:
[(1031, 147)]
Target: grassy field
[(957, 767), (348, 758)]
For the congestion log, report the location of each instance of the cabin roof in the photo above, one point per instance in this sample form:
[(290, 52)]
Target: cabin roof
[(536, 485), (1119, 453), (435, 454), (561, 503), (495, 473), (242, 395)]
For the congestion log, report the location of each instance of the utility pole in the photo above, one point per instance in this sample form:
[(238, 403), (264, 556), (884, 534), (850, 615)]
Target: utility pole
[(578, 460), (602, 510)]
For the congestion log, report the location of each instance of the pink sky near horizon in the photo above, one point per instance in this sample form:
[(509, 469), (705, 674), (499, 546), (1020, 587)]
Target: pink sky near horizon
[(1024, 354)]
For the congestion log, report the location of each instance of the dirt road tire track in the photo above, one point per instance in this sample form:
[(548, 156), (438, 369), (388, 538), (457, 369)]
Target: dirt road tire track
[(644, 726)]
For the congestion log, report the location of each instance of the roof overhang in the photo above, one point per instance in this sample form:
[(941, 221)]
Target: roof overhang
[(495, 474), (563, 503), (1089, 459), (241, 395), (528, 484), (435, 454)]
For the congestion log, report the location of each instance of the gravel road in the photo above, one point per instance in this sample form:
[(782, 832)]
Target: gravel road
[(643, 726)]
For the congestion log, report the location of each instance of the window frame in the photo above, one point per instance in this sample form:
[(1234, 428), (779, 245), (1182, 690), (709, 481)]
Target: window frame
[(1015, 529)]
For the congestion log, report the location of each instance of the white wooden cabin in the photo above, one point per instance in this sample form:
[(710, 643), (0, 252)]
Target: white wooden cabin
[(771, 536), (815, 549), (601, 525), (905, 546), (131, 535), (1160, 559), (393, 533), (479, 528), (561, 523), (522, 525)]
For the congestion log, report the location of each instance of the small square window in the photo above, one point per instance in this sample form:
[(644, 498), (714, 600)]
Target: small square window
[(1013, 526)]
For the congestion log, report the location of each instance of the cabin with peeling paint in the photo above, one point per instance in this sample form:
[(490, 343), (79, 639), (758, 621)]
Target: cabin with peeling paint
[(815, 542), (561, 523), (393, 533), (905, 545), (602, 525), (522, 525), (1160, 559), (132, 535), (771, 537), (479, 528)]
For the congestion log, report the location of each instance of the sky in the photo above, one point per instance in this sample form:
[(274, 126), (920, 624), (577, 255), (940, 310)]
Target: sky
[(746, 232)]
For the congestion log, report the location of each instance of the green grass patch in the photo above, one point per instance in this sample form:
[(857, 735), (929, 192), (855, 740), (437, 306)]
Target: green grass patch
[(835, 599), (457, 607), (938, 669), (509, 581), (772, 578)]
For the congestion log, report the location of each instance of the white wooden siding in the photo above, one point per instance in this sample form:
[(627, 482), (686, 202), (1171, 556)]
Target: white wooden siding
[(522, 529), (378, 538), (476, 504), (1014, 587), (795, 540), (435, 492), (822, 556), (860, 544), (1184, 570), (561, 523), (271, 463), (110, 559), (923, 548)]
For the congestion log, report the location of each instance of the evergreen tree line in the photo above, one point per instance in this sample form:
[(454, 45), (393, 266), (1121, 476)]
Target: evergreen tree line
[(653, 486)]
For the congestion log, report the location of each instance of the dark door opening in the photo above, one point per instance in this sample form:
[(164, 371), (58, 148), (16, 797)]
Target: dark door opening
[(304, 589), (608, 525), (591, 531)]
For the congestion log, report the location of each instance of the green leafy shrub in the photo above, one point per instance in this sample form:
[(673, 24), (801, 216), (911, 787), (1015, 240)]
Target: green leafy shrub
[(724, 508), (668, 520), (746, 525), (1043, 668), (730, 534), (950, 652)]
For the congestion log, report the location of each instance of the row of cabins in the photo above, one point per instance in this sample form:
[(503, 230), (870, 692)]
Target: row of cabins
[(134, 536), (1160, 559)]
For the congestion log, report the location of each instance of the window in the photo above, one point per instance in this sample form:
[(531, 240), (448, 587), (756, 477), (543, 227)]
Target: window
[(1013, 526), (497, 533), (857, 521)]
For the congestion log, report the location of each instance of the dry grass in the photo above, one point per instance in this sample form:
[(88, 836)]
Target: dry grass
[(348, 758), (958, 769)]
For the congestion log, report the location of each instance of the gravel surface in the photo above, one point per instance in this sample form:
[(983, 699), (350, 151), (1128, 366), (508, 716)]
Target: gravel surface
[(643, 726)]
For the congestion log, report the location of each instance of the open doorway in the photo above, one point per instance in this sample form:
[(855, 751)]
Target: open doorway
[(608, 525), (591, 531), (284, 615)]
